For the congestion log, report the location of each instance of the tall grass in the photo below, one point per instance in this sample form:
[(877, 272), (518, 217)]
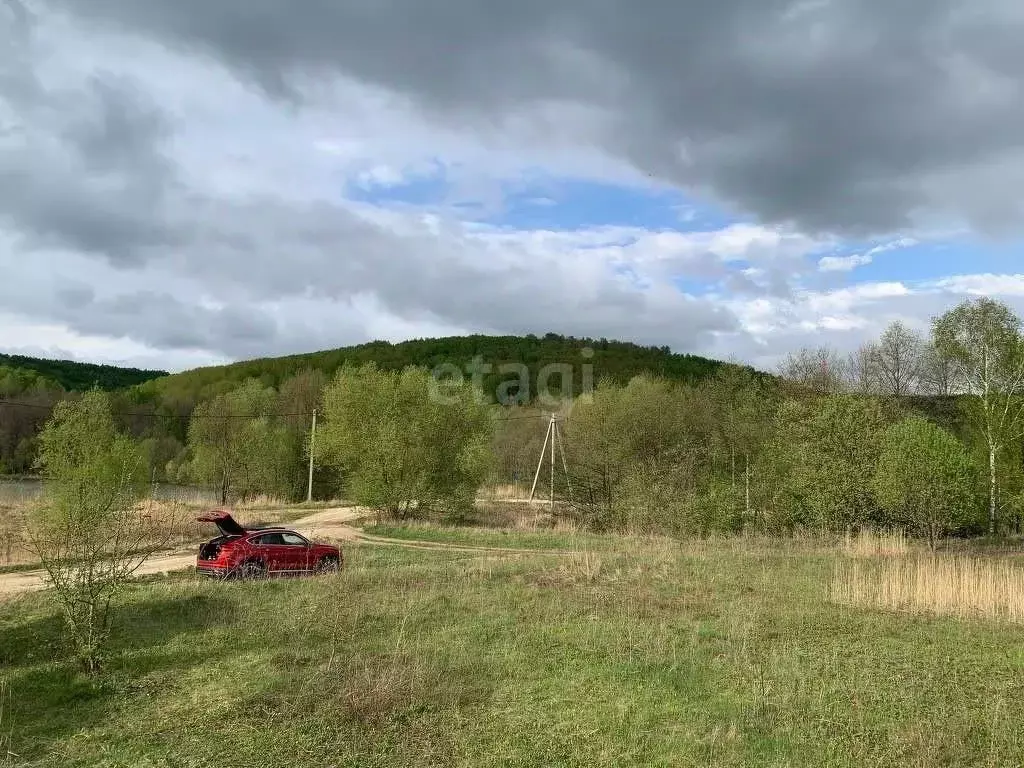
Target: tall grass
[(502, 492), (7, 756), (12, 544), (961, 586), (868, 542)]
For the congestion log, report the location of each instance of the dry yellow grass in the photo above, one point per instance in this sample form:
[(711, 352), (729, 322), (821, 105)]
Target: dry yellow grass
[(260, 501), (961, 586), (13, 549), (870, 543), (173, 523), (502, 492)]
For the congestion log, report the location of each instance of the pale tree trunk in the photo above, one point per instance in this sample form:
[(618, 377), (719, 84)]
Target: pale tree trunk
[(992, 489), (992, 447), (746, 485)]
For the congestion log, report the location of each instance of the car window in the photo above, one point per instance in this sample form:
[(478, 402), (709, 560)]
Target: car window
[(268, 539), (293, 538)]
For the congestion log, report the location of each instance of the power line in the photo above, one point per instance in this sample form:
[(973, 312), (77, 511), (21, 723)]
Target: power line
[(517, 418), (149, 415), (152, 415)]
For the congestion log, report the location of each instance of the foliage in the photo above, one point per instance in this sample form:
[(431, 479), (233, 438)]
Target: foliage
[(659, 456), (26, 398), (938, 374), (15, 382), (617, 441), (667, 443), (925, 479), (825, 455), (237, 447), (87, 531), (401, 447), (77, 377), (615, 360)]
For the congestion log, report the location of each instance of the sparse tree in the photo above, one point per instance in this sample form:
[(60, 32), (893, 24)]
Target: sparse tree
[(938, 375), (862, 370), (297, 397), (401, 448), (741, 407), (897, 360), (819, 370), (983, 339), (925, 478), (89, 532)]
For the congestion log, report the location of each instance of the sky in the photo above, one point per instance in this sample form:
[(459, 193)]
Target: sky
[(188, 183)]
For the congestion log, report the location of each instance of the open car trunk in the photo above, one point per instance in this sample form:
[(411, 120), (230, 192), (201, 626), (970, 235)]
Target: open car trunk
[(225, 523), (211, 549)]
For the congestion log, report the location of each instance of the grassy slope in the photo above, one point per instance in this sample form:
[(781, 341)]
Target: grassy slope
[(651, 654)]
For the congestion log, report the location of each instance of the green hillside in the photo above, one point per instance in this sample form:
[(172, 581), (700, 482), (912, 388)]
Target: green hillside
[(615, 360), (77, 377)]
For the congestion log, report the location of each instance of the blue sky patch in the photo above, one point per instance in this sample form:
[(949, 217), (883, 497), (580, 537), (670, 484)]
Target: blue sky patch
[(539, 201), (570, 204), (933, 260)]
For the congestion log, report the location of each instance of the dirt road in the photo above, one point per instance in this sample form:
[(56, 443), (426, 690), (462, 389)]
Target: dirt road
[(331, 524), (323, 524)]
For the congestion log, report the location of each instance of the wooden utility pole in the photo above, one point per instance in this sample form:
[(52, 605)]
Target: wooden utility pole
[(540, 461), (312, 442), (552, 425), (551, 436)]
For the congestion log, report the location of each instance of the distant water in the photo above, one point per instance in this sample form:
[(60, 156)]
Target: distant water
[(20, 491)]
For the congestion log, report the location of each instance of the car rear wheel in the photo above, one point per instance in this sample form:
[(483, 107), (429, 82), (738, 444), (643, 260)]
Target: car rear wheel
[(328, 564), (252, 570)]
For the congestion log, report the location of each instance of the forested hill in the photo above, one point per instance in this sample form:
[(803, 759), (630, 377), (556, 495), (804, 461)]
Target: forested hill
[(615, 360), (72, 376)]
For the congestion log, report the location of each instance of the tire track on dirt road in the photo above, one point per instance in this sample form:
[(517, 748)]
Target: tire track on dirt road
[(332, 524)]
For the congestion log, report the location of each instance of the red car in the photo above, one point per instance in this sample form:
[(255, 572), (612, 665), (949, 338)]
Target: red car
[(253, 553)]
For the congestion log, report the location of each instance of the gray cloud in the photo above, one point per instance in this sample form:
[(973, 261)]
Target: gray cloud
[(334, 255), (82, 167), (89, 175), (835, 115)]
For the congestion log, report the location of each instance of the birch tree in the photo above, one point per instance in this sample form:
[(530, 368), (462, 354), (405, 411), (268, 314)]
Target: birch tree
[(983, 340)]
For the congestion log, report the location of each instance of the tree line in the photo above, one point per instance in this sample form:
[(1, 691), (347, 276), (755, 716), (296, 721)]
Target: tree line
[(158, 409), (71, 376), (918, 431), (614, 359), (921, 432)]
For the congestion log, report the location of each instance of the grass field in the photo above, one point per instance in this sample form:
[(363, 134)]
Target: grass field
[(642, 652), (494, 537)]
